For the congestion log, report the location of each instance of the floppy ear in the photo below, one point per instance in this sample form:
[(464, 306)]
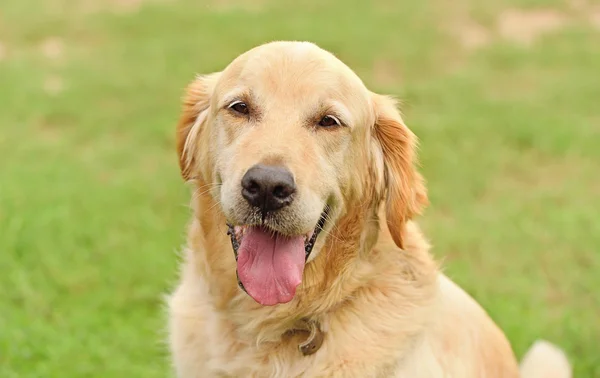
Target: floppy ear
[(196, 103), (405, 187)]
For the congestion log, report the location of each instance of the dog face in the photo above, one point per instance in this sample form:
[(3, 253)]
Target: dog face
[(286, 139)]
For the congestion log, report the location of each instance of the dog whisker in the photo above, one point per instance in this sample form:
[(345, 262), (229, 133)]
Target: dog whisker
[(197, 193), (217, 203)]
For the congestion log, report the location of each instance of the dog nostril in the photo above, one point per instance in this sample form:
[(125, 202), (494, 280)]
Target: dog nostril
[(253, 187), (282, 191)]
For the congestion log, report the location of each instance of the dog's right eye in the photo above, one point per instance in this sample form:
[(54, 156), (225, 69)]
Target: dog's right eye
[(239, 107), (329, 121)]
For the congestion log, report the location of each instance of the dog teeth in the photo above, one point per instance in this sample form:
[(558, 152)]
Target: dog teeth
[(308, 236), (239, 231)]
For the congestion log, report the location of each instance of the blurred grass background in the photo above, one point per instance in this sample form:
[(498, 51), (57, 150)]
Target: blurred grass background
[(504, 95)]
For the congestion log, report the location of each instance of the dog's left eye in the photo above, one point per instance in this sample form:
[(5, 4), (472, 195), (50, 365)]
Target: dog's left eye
[(239, 107), (329, 121)]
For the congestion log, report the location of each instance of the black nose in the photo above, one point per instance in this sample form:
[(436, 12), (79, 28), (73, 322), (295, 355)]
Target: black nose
[(268, 187)]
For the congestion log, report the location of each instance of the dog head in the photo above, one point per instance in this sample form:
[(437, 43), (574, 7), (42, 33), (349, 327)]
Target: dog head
[(286, 139)]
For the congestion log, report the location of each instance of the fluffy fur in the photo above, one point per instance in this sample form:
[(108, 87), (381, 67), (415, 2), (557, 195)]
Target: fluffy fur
[(384, 306)]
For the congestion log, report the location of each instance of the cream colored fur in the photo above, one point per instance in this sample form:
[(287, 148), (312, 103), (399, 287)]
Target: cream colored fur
[(384, 306)]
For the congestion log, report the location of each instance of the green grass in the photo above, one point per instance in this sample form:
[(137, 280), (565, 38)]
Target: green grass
[(92, 208)]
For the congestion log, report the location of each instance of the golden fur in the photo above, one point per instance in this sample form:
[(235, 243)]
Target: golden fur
[(384, 307)]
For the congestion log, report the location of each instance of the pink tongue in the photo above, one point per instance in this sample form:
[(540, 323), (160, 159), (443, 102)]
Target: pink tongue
[(270, 266)]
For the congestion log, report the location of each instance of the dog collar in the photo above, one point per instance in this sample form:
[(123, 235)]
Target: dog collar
[(314, 336)]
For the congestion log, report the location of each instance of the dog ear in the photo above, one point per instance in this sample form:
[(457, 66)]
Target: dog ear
[(405, 190), (196, 103)]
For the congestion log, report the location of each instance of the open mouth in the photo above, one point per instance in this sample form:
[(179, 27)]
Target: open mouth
[(270, 264)]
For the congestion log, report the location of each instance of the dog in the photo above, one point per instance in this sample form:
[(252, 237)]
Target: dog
[(303, 257)]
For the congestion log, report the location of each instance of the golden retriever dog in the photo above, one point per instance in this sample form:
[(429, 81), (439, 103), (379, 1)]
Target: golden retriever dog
[(302, 257)]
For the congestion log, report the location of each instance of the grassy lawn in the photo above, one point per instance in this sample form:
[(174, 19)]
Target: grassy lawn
[(504, 95)]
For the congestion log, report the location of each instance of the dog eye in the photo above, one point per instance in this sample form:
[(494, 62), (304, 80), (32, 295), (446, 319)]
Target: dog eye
[(329, 121), (239, 107)]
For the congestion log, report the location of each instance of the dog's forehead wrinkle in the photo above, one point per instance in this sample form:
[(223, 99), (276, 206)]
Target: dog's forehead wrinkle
[(292, 67)]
